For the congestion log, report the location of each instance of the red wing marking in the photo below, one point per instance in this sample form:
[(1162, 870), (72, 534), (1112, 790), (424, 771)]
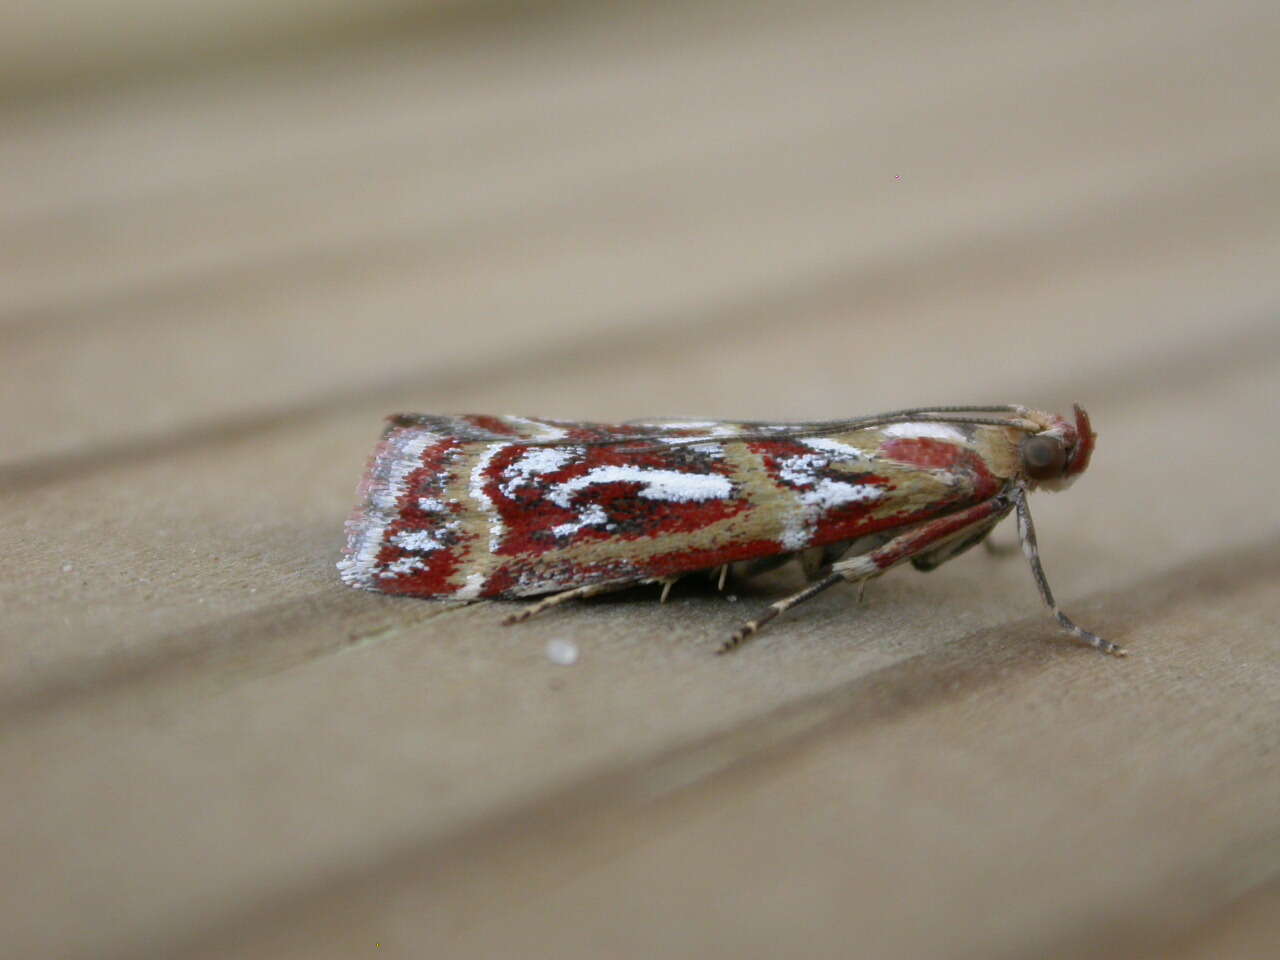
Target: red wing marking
[(506, 506)]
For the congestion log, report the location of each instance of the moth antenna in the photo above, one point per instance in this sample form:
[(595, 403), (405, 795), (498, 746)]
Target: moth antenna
[(800, 432)]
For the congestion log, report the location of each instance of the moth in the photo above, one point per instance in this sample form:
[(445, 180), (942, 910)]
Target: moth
[(469, 507)]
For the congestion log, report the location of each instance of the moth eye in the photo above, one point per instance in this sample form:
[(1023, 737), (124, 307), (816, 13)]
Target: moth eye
[(1043, 458)]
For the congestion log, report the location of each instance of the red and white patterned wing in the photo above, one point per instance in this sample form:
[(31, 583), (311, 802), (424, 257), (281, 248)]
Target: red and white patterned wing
[(479, 506)]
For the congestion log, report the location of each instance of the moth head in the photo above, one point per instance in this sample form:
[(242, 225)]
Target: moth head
[(1055, 456)]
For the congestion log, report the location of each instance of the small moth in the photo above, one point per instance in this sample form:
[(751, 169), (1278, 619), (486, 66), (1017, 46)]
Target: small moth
[(472, 507)]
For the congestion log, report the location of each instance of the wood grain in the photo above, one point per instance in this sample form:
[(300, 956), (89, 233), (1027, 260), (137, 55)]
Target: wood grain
[(216, 285)]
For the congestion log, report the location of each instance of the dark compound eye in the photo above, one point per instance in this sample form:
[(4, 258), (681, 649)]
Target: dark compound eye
[(1043, 457)]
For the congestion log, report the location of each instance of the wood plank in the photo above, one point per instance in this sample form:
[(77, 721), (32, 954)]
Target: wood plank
[(214, 291), (252, 521), (434, 720), (345, 250), (906, 813)]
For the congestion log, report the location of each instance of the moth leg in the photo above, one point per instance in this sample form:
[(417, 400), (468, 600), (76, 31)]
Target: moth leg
[(954, 546), (786, 603), (667, 584), (555, 599), (1027, 534), (815, 562), (875, 562), (724, 577)]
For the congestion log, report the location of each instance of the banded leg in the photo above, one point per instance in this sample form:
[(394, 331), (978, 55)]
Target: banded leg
[(1027, 534), (875, 562), (555, 599), (786, 603)]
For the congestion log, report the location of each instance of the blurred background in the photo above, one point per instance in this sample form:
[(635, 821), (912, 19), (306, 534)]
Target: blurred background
[(234, 236)]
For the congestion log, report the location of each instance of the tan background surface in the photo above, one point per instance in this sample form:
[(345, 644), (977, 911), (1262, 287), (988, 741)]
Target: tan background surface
[(214, 283)]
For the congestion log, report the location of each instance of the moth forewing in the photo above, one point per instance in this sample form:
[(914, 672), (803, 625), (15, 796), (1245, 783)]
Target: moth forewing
[(479, 506)]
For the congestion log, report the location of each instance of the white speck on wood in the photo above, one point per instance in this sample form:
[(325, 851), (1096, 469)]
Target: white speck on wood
[(563, 653)]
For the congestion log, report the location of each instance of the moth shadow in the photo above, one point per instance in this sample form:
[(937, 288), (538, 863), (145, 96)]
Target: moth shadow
[(705, 586)]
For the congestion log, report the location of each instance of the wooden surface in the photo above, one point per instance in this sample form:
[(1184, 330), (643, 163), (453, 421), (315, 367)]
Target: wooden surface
[(215, 286)]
